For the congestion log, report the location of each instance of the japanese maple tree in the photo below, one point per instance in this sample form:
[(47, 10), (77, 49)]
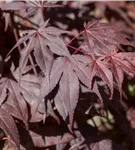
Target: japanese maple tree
[(62, 75)]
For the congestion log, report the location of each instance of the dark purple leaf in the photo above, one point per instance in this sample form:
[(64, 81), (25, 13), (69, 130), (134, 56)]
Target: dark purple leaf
[(120, 63), (39, 40), (91, 67), (103, 36), (68, 91), (15, 96)]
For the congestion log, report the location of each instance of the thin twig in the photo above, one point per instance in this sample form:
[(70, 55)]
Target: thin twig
[(26, 19)]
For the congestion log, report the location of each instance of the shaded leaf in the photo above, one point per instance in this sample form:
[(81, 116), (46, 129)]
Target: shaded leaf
[(15, 96)]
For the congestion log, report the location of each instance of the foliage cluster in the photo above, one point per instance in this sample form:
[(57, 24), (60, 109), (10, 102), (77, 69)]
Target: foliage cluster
[(66, 67)]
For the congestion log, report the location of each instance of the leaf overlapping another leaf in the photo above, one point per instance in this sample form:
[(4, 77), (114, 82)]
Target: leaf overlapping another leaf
[(67, 72), (97, 66), (14, 100), (120, 63), (67, 97), (103, 36), (64, 69), (94, 63), (31, 6), (39, 40)]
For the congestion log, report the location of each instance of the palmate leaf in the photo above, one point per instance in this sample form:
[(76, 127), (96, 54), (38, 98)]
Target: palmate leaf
[(120, 63), (30, 85), (69, 91), (16, 100), (69, 71), (94, 67), (67, 97), (54, 76), (103, 36), (8, 125), (39, 40)]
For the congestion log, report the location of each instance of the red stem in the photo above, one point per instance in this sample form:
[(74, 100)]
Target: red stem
[(74, 38)]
